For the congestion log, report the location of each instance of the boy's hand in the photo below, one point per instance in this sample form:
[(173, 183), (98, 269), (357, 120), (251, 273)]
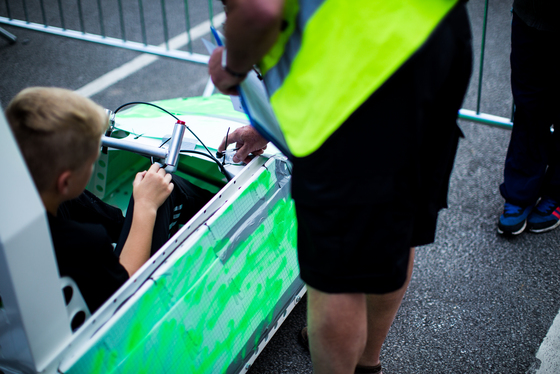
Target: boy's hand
[(151, 188)]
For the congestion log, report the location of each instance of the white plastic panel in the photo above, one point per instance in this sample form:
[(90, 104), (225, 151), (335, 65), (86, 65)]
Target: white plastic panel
[(33, 321)]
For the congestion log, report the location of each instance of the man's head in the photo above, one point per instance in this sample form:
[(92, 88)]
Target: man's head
[(57, 131)]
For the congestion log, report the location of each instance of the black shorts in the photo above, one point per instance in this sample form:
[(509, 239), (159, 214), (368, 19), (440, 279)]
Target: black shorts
[(374, 188)]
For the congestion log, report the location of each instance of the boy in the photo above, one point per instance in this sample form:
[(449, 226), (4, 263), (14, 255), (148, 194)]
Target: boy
[(59, 134)]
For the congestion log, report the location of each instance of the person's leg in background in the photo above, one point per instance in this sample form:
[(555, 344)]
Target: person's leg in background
[(529, 150), (546, 215)]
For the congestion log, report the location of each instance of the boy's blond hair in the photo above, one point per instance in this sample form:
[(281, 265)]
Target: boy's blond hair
[(56, 129)]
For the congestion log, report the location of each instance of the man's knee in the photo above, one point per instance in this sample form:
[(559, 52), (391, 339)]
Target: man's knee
[(341, 311)]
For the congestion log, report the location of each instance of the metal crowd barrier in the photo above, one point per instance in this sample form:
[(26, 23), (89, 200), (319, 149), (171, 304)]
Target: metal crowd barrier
[(9, 36), (129, 24), (476, 115), (109, 23)]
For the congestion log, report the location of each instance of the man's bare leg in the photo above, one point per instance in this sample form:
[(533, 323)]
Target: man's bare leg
[(337, 328), (381, 311), (349, 329)]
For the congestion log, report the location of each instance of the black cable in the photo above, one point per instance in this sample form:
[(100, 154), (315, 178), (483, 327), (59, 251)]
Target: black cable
[(200, 141), (146, 103), (164, 143), (224, 152), (197, 138), (164, 110), (222, 168)]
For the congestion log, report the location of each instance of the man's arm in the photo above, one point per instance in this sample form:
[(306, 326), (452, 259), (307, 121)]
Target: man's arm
[(251, 29), (150, 189)]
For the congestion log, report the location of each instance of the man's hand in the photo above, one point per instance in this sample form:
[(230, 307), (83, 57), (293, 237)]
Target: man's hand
[(247, 140), (223, 81), (151, 188)]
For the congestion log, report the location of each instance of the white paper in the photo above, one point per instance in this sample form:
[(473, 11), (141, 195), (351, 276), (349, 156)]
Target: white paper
[(255, 101)]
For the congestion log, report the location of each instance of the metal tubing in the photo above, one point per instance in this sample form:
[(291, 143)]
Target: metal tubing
[(211, 12), (165, 31), (24, 3), (61, 14), (133, 46), (188, 24), (43, 12), (142, 22), (136, 147), (81, 16), (101, 23), (8, 9), (482, 46), (8, 35), (176, 142), (121, 16), (487, 119)]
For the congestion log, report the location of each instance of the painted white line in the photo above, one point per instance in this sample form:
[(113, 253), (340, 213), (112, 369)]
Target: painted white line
[(549, 351), (145, 59)]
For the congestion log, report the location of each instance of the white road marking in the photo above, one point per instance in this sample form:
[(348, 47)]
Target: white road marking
[(549, 351), (140, 62)]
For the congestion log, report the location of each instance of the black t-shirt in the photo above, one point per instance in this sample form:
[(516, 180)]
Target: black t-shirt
[(83, 232)]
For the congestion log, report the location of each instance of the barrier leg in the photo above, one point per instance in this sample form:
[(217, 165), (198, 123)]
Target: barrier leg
[(7, 35)]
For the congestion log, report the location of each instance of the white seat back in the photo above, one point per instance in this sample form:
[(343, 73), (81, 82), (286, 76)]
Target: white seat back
[(34, 324)]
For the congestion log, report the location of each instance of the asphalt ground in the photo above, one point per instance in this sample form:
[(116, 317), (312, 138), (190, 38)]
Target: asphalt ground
[(477, 302)]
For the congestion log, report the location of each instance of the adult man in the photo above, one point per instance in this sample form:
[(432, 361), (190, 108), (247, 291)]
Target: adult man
[(366, 95)]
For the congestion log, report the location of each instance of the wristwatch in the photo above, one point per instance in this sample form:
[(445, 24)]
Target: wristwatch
[(227, 69)]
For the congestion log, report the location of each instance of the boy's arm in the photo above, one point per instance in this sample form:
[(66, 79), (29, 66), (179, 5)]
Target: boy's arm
[(150, 189)]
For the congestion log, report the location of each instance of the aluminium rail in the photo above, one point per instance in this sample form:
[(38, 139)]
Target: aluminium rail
[(477, 116), (127, 24)]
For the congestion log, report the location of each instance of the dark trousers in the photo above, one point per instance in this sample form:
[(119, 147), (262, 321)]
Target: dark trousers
[(183, 203), (532, 167)]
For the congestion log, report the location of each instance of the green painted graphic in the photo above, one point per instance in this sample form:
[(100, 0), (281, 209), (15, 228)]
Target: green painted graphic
[(214, 106), (208, 306)]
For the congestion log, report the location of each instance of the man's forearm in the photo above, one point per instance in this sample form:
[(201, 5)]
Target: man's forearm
[(252, 27)]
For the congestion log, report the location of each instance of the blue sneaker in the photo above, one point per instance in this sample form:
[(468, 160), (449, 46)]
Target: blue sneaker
[(514, 219), (545, 216)]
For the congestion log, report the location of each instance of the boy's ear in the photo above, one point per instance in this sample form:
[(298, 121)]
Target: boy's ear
[(63, 183)]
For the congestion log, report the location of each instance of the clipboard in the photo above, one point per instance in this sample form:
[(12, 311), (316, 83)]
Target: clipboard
[(256, 104)]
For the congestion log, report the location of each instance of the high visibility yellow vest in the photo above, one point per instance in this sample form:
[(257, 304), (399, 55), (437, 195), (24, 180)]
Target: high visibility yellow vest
[(333, 54)]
